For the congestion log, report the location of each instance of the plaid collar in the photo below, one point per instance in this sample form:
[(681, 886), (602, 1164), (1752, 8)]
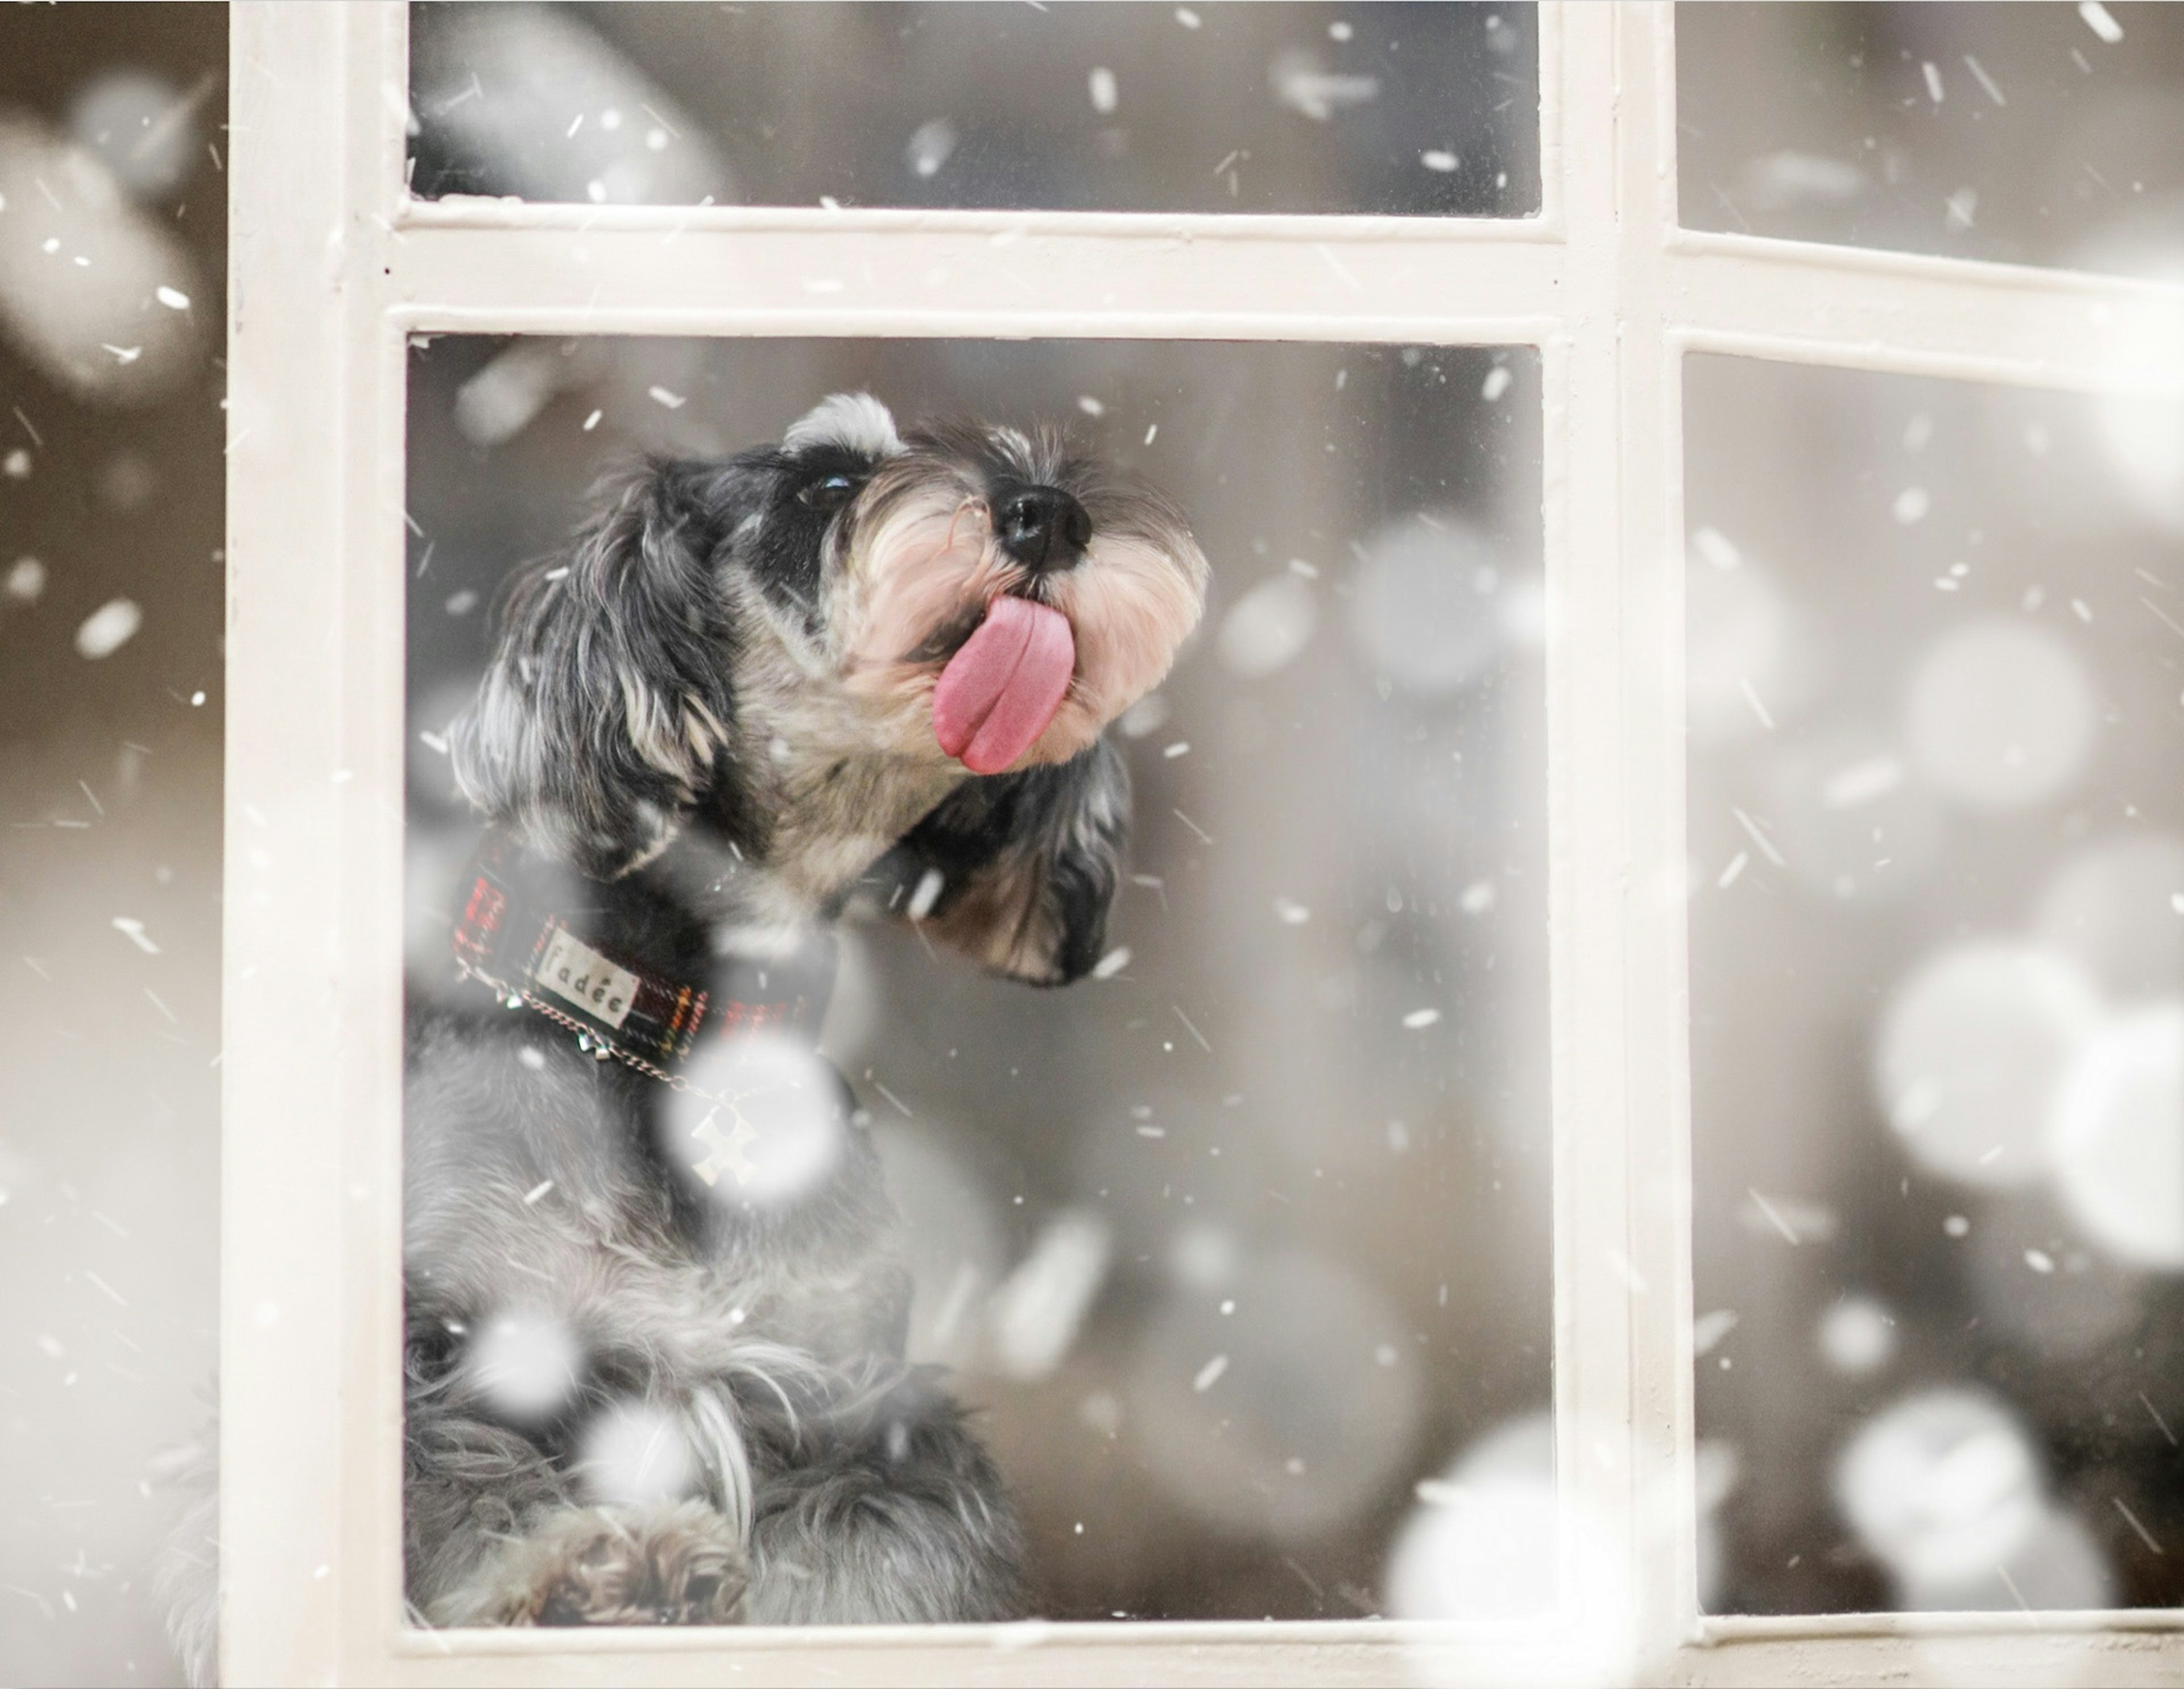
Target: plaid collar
[(519, 935)]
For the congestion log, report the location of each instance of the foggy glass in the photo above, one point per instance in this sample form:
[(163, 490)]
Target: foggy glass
[(1307, 1105), (2047, 134), (1410, 109), (1935, 648)]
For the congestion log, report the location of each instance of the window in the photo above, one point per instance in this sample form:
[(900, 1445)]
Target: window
[(1267, 1194), (1593, 303)]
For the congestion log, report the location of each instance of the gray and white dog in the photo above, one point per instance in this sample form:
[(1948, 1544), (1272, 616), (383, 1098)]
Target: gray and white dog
[(856, 668)]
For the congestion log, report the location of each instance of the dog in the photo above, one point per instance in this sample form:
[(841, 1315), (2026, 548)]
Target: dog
[(655, 1294)]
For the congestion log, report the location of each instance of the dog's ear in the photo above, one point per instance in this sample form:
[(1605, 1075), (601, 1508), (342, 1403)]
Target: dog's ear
[(600, 720), (1017, 871)]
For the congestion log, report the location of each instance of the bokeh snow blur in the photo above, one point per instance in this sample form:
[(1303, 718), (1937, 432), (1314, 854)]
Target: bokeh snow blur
[(1241, 1247), (1399, 110), (632, 1452), (525, 1365), (1937, 917), (761, 1127), (113, 255), (1936, 705)]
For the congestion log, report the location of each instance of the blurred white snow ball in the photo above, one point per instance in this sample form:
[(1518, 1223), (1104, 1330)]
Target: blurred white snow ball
[(2057, 1568), (81, 270), (775, 1133), (1426, 605), (1203, 1256), (1857, 1336), (1850, 817), (1526, 612), (1265, 629), (526, 1365), (1737, 648), (141, 126), (1486, 1543), (2143, 436), (2113, 907), (931, 145), (1480, 1551), (1776, 180), (1037, 1313), (1521, 1447), (2140, 423), (2000, 715), (26, 581), (1972, 1048), (2118, 1138), (107, 629), (954, 1236), (1942, 1487), (1287, 1416), (2142, 433), (494, 88), (1149, 715), (1302, 82), (633, 1453), (499, 402)]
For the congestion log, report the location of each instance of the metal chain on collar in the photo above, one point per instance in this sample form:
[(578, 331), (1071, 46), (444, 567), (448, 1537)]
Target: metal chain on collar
[(588, 1040)]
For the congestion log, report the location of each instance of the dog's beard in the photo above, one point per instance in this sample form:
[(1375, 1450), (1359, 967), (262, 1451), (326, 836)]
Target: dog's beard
[(1132, 608), (918, 575), (918, 579)]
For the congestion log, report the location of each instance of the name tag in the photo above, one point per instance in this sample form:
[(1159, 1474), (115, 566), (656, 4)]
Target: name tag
[(573, 971)]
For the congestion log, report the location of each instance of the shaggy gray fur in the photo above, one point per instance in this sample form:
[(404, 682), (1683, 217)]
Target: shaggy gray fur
[(837, 1483)]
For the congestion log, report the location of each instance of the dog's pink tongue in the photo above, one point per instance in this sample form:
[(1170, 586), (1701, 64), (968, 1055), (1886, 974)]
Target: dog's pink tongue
[(997, 695)]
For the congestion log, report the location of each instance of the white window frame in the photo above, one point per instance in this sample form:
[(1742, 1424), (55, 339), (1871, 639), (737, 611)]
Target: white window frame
[(333, 268)]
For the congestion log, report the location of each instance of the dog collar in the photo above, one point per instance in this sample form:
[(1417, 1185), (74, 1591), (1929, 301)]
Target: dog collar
[(519, 935)]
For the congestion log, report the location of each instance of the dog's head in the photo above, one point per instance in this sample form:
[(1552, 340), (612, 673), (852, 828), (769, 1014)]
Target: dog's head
[(806, 648), (989, 591)]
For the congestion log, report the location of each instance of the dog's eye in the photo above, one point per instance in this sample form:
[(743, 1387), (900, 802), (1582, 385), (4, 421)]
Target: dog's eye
[(830, 494)]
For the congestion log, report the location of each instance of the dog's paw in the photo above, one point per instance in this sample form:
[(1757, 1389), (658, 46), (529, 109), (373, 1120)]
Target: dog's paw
[(675, 1565)]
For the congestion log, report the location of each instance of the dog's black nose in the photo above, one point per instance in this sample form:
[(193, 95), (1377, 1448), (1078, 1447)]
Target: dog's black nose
[(1043, 528)]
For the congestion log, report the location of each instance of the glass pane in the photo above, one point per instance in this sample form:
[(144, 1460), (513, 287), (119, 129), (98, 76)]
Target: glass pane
[(1415, 110), (1236, 1244), (1937, 949), (2049, 135)]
